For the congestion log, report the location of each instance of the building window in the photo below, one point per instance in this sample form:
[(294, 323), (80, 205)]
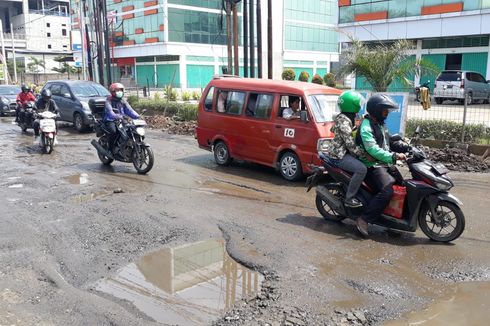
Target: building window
[(48, 25), (49, 46), (63, 32), (65, 46), (49, 34), (63, 24)]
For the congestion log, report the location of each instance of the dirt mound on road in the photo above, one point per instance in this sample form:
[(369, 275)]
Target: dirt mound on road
[(456, 159), (172, 125)]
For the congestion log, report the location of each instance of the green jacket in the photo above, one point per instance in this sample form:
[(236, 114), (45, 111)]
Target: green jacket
[(381, 154)]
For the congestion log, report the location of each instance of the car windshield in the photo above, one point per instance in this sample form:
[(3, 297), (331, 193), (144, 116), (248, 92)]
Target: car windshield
[(449, 76), (89, 90), (9, 90), (324, 107)]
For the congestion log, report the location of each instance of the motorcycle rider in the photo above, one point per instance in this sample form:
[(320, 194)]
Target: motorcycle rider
[(342, 150), (381, 174), (44, 103), (23, 97), (115, 109)]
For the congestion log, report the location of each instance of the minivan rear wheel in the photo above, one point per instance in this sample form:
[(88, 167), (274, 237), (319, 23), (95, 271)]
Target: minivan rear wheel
[(469, 101), (290, 166), (222, 154), (439, 100)]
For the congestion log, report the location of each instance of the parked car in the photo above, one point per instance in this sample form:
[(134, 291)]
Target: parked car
[(8, 94), (452, 84), (72, 98), (242, 118)]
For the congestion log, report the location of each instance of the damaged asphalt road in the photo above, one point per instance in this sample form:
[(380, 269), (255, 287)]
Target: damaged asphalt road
[(67, 223)]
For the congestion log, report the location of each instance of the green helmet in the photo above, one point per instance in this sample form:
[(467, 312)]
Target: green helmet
[(350, 102)]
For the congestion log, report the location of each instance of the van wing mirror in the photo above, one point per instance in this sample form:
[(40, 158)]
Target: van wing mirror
[(303, 115), (66, 95), (395, 137)]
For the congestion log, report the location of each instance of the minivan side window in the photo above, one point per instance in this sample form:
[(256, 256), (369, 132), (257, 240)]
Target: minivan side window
[(259, 106), (284, 102), (208, 102), (55, 89), (230, 102), (479, 78)]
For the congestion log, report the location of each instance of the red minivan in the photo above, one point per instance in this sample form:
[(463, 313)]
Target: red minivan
[(242, 118)]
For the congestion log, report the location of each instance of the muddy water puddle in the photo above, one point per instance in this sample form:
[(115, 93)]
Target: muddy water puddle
[(78, 199), (191, 284), (77, 179), (467, 304)]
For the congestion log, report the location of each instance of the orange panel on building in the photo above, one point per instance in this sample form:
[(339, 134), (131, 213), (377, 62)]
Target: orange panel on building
[(139, 31), (344, 3), (151, 12), (151, 40), (129, 42), (442, 9), (117, 1), (128, 16), (162, 27), (371, 16), (117, 34), (151, 3)]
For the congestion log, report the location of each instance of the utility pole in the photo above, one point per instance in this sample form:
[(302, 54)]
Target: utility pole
[(13, 52), (81, 25), (252, 42), (87, 43), (4, 58), (106, 43), (229, 36), (99, 41), (235, 40), (245, 38), (259, 40), (269, 39)]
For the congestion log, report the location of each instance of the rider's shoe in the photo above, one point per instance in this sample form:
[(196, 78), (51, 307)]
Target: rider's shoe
[(352, 202), (362, 226)]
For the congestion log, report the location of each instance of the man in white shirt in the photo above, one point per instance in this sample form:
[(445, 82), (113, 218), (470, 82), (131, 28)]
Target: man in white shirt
[(292, 112)]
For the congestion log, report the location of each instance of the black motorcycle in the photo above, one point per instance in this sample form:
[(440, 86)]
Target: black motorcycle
[(129, 146), (421, 201), (27, 115), (417, 90)]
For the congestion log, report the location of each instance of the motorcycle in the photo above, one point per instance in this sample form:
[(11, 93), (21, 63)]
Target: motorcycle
[(27, 116), (422, 200), (47, 130), (417, 90), (129, 145)]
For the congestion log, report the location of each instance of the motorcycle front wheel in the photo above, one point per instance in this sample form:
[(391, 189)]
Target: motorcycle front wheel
[(322, 206), (47, 144), (143, 159), (447, 226), (104, 159)]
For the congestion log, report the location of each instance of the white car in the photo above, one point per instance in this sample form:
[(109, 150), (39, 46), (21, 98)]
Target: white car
[(452, 85)]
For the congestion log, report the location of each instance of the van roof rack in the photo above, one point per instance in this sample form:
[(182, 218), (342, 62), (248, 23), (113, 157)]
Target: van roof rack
[(225, 76)]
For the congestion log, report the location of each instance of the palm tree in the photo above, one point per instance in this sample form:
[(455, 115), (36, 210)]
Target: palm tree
[(382, 64), (34, 64)]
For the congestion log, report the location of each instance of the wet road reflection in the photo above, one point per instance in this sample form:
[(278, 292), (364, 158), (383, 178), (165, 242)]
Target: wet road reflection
[(186, 285)]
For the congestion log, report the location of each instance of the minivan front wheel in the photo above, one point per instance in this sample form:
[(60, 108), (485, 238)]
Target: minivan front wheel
[(222, 154), (78, 122), (290, 166), (469, 100)]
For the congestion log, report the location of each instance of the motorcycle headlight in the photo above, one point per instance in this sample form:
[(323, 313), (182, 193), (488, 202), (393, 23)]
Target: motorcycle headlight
[(443, 184), (322, 144), (140, 131), (4, 100)]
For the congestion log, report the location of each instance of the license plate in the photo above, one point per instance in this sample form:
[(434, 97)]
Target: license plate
[(47, 123), (449, 86)]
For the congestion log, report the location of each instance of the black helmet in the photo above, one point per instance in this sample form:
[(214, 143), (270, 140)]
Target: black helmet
[(378, 103), (46, 94), (24, 88)]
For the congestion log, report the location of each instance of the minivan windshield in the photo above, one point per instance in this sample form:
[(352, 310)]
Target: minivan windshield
[(324, 107), (89, 90), (449, 76)]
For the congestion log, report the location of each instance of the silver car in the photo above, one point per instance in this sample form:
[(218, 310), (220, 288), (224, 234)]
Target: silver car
[(452, 84)]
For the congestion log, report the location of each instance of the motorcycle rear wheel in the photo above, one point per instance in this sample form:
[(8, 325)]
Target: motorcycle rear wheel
[(104, 159), (144, 161), (452, 219), (328, 212)]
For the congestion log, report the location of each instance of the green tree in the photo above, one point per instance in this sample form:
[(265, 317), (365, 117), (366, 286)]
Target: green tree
[(35, 64), (64, 66), (304, 76), (317, 79), (288, 74), (382, 64), (20, 67), (329, 79)]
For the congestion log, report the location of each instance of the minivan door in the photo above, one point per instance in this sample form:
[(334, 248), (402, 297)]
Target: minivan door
[(299, 136)]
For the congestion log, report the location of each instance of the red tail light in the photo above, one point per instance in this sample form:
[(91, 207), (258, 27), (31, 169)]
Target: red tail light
[(462, 84)]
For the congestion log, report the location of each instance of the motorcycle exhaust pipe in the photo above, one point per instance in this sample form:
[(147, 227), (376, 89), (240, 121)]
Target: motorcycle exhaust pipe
[(333, 202), (101, 149)]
